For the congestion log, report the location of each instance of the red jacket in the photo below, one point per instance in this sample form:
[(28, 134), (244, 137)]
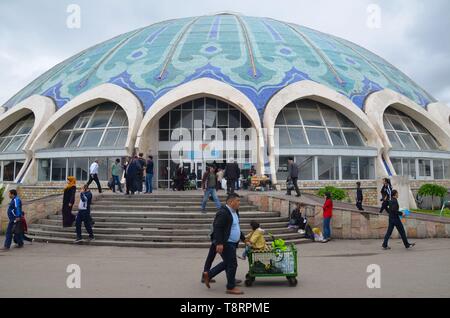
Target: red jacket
[(328, 209)]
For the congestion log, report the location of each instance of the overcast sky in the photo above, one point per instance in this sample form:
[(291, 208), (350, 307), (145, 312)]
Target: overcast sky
[(414, 34)]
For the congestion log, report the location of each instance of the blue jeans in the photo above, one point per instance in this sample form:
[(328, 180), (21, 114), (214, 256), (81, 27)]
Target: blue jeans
[(85, 217), (210, 192), (9, 236), (326, 228), (116, 182), (229, 265), (148, 183)]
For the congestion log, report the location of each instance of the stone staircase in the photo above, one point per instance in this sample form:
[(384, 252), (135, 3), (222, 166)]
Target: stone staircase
[(157, 220)]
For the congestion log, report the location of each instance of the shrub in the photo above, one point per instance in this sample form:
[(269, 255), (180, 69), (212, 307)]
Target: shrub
[(432, 190), (336, 194)]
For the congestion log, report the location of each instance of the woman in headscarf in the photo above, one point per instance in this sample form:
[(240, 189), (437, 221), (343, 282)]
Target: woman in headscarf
[(68, 202)]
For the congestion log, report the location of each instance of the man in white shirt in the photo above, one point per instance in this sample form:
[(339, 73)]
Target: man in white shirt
[(93, 175)]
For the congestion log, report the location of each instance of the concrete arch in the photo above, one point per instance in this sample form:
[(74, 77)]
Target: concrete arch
[(377, 103), (41, 107), (440, 112), (102, 93), (322, 94), (204, 87)]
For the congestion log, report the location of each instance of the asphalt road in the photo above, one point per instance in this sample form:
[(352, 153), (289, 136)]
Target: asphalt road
[(336, 269)]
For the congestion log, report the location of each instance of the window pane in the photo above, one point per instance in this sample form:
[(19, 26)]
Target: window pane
[(396, 123), (245, 123), (345, 122), (297, 136), (164, 135), (282, 172), (421, 142), (74, 139), (60, 139), (330, 117), (337, 138), (409, 124), (424, 168), (211, 104), (102, 168), (284, 140), (349, 168), (397, 163), (164, 122), (328, 168), (44, 170), (100, 120), (19, 165), (175, 119), (291, 116), (353, 138), (234, 119), (199, 103), (387, 124), (119, 119), (122, 138), (91, 138), (438, 167), (317, 137), (58, 169), (81, 169), (280, 119), (305, 167), (187, 121), (8, 171), (408, 141), (447, 169), (223, 118), (110, 138), (409, 168), (5, 144), (394, 140), (15, 144), (311, 117), (367, 168), (430, 142)]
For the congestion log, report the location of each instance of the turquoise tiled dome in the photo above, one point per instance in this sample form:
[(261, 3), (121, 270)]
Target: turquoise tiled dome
[(258, 56)]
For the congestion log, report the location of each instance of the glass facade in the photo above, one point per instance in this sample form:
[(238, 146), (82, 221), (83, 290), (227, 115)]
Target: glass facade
[(10, 169), (13, 138), (58, 169), (309, 123), (329, 168), (103, 126), (405, 133), (417, 168)]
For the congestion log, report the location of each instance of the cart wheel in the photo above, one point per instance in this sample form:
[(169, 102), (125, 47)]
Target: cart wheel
[(292, 281)]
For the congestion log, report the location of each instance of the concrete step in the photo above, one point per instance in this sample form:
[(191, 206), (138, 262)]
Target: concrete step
[(207, 219), (160, 208), (140, 237), (142, 244), (146, 231), (186, 215), (168, 226), (170, 196), (190, 201)]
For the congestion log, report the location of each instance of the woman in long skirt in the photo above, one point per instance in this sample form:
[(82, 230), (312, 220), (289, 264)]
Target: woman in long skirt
[(68, 202)]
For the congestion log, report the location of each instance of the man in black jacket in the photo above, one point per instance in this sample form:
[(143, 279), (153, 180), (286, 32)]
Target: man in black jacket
[(226, 236), (232, 173), (293, 176), (394, 221), (359, 197)]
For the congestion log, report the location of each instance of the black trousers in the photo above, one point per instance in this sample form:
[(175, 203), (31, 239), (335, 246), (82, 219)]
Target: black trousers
[(84, 217), (94, 177), (139, 183), (384, 206), (397, 223), (231, 184), (295, 182), (229, 265), (210, 258), (359, 205)]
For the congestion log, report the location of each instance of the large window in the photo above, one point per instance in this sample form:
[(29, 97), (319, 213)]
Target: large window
[(306, 122), (58, 169), (405, 133), (13, 138), (332, 168), (9, 169), (104, 126), (419, 168)]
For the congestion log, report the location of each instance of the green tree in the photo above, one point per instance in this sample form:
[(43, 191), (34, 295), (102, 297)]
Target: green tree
[(432, 190)]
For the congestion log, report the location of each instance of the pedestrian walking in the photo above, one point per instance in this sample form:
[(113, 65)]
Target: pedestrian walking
[(140, 176), (84, 214), (394, 221), (226, 236), (292, 177), (359, 197), (149, 175), (68, 201), (209, 181), (232, 173), (116, 172), (386, 195), (93, 175), (327, 215), (14, 229)]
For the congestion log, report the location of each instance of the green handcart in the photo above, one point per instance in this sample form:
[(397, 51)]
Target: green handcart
[(275, 263)]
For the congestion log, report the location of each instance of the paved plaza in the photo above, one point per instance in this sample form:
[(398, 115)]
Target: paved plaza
[(336, 269)]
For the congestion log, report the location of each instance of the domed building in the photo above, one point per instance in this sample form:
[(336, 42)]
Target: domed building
[(343, 112)]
